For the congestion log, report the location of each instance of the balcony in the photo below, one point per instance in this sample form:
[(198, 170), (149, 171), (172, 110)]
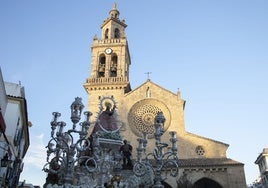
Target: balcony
[(109, 41), (109, 80)]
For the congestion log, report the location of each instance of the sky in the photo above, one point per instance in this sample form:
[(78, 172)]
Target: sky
[(214, 51)]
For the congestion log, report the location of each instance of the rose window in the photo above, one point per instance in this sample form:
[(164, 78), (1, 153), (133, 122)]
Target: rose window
[(200, 150), (142, 114)]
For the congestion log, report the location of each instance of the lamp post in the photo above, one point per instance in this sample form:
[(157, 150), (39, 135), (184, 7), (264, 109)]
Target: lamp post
[(159, 161)]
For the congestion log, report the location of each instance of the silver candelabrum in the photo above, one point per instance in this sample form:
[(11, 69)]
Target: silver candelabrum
[(64, 154), (76, 160), (158, 161)]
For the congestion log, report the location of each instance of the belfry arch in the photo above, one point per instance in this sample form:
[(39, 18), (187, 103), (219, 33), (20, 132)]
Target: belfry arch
[(116, 33), (101, 66), (113, 69)]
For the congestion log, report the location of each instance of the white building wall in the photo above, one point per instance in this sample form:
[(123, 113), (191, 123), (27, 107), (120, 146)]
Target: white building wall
[(12, 118), (3, 97), (12, 99), (15, 90)]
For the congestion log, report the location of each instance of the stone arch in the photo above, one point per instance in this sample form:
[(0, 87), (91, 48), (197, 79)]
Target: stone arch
[(106, 33), (116, 33), (113, 69), (207, 183), (101, 66)]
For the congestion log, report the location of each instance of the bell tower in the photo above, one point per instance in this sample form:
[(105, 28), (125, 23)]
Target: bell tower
[(110, 61)]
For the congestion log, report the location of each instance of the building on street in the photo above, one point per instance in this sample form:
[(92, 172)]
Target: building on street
[(14, 133)]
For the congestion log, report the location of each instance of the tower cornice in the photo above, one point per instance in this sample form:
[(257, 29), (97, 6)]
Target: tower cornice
[(121, 22)]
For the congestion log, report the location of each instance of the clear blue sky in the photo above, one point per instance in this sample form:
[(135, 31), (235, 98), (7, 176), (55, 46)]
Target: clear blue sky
[(214, 51)]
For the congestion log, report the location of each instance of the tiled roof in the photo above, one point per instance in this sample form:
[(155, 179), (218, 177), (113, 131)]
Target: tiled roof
[(197, 162), (204, 162)]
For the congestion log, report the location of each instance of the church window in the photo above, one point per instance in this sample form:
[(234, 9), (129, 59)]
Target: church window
[(148, 92), (106, 34), (113, 70), (101, 68), (142, 114), (200, 151), (116, 33)]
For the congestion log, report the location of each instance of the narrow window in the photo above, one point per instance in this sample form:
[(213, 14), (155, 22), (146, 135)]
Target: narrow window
[(148, 92), (106, 34)]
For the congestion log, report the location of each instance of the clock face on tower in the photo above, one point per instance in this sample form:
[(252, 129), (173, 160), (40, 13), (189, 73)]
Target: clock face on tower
[(108, 50)]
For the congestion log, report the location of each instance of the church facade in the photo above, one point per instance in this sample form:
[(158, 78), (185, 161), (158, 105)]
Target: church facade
[(202, 161)]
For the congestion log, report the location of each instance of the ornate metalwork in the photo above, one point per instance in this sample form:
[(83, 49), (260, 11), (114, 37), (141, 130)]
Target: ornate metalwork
[(63, 153), (94, 161), (158, 161), (87, 162)]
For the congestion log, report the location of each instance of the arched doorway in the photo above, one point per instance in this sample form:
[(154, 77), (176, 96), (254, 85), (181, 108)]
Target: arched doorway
[(207, 183)]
